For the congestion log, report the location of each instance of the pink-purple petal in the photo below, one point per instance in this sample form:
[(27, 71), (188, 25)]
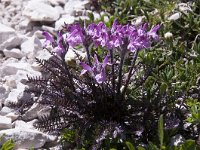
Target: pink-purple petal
[(85, 66)]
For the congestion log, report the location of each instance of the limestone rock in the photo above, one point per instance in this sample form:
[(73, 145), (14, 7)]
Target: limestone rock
[(36, 66), (40, 11), (6, 33), (175, 16), (21, 124), (75, 7), (32, 112), (12, 42), (31, 46), (68, 19), (10, 81), (21, 76), (44, 55), (5, 123), (71, 56), (60, 10), (15, 52), (6, 110), (49, 29), (25, 135), (4, 91), (25, 138), (45, 111), (12, 68), (17, 94), (12, 115), (38, 34), (184, 7), (57, 2)]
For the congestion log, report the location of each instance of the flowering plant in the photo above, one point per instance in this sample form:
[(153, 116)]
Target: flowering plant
[(120, 38), (94, 93)]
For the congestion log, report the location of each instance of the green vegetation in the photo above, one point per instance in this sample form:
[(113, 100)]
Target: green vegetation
[(172, 89), (7, 145)]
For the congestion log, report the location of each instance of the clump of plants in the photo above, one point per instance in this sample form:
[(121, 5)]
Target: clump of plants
[(114, 94), (177, 54)]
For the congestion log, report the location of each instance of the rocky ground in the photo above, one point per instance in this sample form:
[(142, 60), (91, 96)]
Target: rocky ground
[(21, 26)]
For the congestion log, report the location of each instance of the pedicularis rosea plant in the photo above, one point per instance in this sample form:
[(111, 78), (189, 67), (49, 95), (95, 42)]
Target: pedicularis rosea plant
[(93, 97)]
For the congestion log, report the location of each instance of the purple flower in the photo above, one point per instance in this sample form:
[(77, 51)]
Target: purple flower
[(58, 46), (153, 32), (124, 36), (138, 43), (142, 30), (115, 41), (117, 35), (139, 38), (97, 70), (98, 33), (49, 39), (76, 35)]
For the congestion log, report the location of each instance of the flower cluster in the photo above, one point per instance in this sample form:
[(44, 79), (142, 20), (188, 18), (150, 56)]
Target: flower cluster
[(121, 37), (58, 45), (98, 69), (94, 93)]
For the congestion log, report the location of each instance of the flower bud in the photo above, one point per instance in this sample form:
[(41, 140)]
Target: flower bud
[(168, 35)]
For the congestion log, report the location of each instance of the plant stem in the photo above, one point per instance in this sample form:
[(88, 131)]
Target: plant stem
[(130, 73), (120, 71), (112, 71), (88, 54)]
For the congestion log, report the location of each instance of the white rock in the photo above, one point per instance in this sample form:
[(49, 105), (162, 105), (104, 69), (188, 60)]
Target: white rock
[(15, 52), (17, 94), (6, 0), (71, 55), (44, 55), (38, 34), (10, 81), (0, 106), (60, 10), (175, 16), (68, 19), (49, 29), (25, 138), (21, 76), (177, 140), (12, 115), (21, 124), (73, 7), (138, 21), (9, 60), (36, 66), (6, 110), (25, 23), (32, 112), (184, 7), (12, 42), (57, 2), (4, 91), (6, 33), (12, 68), (31, 46), (45, 111), (40, 11), (5, 123), (83, 17), (96, 15)]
